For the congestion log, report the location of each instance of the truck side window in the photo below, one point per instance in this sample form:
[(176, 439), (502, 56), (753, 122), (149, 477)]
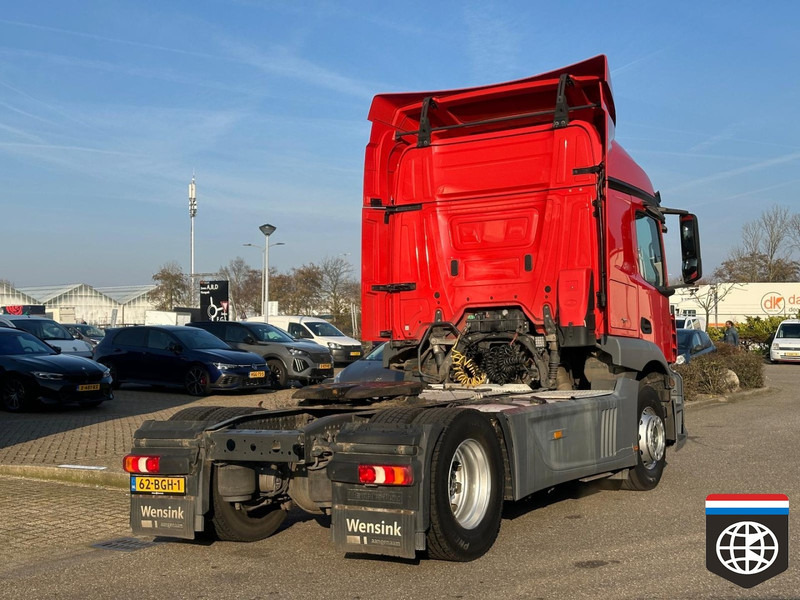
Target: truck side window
[(648, 246)]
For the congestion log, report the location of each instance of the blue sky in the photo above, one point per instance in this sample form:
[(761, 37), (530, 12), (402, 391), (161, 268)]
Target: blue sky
[(108, 107)]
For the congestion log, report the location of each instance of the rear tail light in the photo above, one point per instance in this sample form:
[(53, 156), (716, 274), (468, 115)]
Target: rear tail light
[(141, 464), (385, 474)]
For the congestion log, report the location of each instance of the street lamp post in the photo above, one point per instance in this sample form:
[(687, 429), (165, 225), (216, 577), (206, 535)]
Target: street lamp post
[(267, 230), (265, 275)]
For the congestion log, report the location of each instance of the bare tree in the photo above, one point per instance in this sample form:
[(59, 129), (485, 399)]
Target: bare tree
[(173, 287), (766, 250), (339, 290), (710, 298), (244, 285), (297, 292)]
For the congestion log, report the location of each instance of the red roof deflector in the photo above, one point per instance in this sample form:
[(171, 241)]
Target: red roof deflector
[(530, 101)]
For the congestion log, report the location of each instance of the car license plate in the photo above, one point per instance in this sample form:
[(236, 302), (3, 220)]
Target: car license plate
[(355, 354), (791, 353), (89, 387), (158, 485), (325, 366), (257, 374)]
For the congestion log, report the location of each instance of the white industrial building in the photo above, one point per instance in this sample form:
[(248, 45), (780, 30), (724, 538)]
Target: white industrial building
[(720, 302), (124, 305)]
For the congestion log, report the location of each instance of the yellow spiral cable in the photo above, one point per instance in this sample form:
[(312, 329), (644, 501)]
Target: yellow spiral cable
[(465, 371)]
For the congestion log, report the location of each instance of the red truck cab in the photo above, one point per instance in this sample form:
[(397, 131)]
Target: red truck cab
[(505, 223)]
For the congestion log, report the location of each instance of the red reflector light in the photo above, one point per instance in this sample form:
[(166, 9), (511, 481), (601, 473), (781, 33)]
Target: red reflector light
[(385, 474), (141, 464)]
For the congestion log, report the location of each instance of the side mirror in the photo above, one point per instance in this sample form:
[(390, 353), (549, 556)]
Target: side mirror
[(691, 262), (249, 339), (176, 348)]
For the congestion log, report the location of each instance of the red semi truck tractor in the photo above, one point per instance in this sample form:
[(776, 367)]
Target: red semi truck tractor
[(513, 262)]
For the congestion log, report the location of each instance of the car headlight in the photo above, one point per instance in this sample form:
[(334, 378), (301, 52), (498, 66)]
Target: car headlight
[(296, 352), (334, 346), (775, 346), (106, 373), (48, 376), (680, 360), (224, 366)]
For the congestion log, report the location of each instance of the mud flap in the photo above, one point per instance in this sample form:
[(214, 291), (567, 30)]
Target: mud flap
[(381, 519), (168, 516), (374, 531)]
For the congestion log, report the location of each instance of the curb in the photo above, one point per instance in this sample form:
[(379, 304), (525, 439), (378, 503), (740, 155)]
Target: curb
[(73, 476), (729, 397)]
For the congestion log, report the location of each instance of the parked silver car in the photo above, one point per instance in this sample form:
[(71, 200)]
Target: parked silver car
[(288, 358), (48, 331)]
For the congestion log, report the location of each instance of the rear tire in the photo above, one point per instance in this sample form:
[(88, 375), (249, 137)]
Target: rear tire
[(238, 525), (396, 415), (466, 485), (279, 376), (197, 381), (15, 394), (652, 442)]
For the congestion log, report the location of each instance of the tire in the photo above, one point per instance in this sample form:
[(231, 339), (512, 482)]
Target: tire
[(194, 413), (466, 485), (115, 382), (15, 394), (396, 415), (225, 413), (279, 375), (652, 442), (239, 525), (197, 381)]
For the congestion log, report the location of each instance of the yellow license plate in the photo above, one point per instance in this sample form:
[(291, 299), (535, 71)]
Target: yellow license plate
[(325, 366), (89, 387), (791, 353), (158, 485), (257, 374), (355, 354)]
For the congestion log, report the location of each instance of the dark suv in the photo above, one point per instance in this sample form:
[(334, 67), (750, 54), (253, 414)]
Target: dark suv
[(288, 358), (172, 355)]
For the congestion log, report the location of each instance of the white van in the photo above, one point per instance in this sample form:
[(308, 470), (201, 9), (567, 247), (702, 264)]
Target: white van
[(343, 349), (785, 346)]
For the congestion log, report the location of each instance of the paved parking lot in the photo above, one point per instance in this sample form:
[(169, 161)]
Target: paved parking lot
[(101, 436)]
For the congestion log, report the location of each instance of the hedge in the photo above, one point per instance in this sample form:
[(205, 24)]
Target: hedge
[(707, 373)]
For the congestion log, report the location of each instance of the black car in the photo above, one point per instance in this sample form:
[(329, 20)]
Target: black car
[(32, 371), (87, 333), (369, 368), (180, 356), (288, 358)]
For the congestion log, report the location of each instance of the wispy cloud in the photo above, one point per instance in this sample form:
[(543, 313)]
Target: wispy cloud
[(280, 61), (492, 41), (757, 166)]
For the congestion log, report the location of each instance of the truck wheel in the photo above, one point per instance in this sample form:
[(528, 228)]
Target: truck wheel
[(652, 442), (396, 415), (229, 412), (15, 394), (194, 413), (466, 485), (238, 522), (279, 376), (196, 381)]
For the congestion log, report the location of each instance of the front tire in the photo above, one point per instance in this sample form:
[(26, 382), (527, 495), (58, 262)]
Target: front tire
[(652, 442), (466, 487), (197, 381), (15, 394), (279, 376), (239, 522)]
